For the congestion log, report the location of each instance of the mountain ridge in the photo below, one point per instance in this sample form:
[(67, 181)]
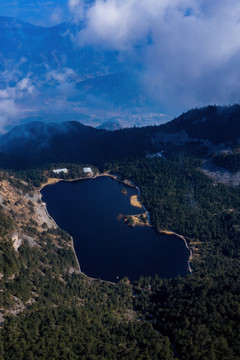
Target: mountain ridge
[(203, 129), (49, 310), (218, 124)]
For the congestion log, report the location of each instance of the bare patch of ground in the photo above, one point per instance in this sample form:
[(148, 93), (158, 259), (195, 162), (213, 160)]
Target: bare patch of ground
[(135, 202), (18, 307), (30, 240), (25, 208), (220, 175), (1, 318), (17, 241), (43, 215)]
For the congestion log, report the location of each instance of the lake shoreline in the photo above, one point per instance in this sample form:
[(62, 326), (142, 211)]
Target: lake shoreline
[(134, 202), (52, 181), (169, 232), (55, 225)]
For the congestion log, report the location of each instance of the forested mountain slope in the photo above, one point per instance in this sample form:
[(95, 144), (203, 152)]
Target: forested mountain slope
[(205, 128), (49, 310), (217, 124)]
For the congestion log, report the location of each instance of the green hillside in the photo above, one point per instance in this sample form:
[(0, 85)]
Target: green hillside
[(49, 310)]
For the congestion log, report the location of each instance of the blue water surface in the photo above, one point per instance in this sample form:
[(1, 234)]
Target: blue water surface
[(106, 247)]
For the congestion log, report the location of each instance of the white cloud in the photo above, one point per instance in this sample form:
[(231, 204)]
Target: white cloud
[(61, 76), (9, 97), (24, 85), (77, 7), (4, 94), (56, 16), (187, 49), (8, 111)]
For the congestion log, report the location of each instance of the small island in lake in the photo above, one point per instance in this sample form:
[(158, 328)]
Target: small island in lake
[(139, 219), (110, 249), (124, 191)]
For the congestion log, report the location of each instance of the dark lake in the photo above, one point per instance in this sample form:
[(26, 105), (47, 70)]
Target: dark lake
[(106, 247)]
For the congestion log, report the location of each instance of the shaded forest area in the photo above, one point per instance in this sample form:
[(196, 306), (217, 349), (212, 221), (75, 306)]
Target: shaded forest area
[(67, 316)]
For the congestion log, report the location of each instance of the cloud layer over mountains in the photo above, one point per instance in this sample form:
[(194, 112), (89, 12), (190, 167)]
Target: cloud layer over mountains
[(182, 54), (188, 49)]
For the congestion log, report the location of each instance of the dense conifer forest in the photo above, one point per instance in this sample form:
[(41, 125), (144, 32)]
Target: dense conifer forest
[(49, 310), (200, 313), (71, 317)]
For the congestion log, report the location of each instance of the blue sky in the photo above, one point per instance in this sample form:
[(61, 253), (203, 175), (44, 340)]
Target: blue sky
[(37, 12)]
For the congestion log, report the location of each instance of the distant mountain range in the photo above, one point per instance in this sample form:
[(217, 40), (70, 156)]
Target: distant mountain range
[(207, 132), (49, 75), (111, 126), (31, 48)]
